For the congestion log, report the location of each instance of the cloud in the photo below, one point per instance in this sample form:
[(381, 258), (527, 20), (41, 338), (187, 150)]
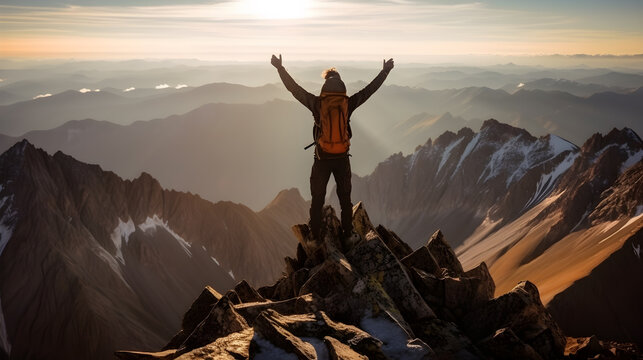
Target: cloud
[(181, 86), (129, 89), (396, 27), (162, 86), (85, 90), (41, 96)]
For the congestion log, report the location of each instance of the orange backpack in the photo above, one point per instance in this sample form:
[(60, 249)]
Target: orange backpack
[(332, 133)]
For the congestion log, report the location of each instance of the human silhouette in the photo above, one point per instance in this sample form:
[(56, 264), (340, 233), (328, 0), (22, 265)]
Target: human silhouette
[(331, 111)]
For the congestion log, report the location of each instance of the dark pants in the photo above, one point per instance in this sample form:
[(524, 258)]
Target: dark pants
[(319, 176)]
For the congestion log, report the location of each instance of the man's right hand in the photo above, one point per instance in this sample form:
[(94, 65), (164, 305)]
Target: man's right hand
[(276, 61), (387, 65)]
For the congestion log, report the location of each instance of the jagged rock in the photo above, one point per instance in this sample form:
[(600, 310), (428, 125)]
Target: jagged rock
[(367, 303), (422, 259), (399, 248), (283, 289), (231, 347), (505, 345), (292, 265), (246, 293), (444, 254), (361, 223), (270, 326), (522, 311), (199, 309), (446, 339), (299, 278), (339, 351), (487, 286), (583, 348), (373, 259), (222, 320), (142, 355), (334, 275), (233, 297), (298, 305), (286, 331)]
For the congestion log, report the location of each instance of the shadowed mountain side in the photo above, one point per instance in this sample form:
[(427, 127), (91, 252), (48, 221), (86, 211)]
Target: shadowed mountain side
[(242, 153), (218, 151), (611, 282), (90, 262)]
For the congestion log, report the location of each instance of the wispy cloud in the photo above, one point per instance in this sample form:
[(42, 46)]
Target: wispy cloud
[(357, 29), (41, 96), (180, 86), (129, 89), (162, 86)]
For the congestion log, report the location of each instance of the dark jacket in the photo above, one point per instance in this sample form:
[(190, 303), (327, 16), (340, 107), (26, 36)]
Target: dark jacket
[(313, 102)]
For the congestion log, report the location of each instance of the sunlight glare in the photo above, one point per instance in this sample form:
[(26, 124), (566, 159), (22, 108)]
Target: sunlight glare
[(276, 9)]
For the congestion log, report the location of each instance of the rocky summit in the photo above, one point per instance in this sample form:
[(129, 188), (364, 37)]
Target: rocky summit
[(374, 298)]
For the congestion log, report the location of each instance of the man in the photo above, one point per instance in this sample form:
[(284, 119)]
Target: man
[(331, 156)]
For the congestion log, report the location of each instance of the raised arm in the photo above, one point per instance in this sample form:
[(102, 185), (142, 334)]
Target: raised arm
[(360, 97), (303, 96)]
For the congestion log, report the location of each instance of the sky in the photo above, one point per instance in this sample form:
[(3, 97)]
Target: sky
[(248, 30)]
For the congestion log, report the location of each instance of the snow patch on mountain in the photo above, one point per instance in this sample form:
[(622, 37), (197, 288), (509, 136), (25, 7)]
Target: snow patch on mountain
[(231, 273), (121, 234), (447, 152), (7, 220), (152, 223), (634, 157), (558, 145), (4, 338), (547, 181), (470, 146)]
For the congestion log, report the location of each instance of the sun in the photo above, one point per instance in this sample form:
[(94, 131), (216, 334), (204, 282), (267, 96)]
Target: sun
[(276, 9)]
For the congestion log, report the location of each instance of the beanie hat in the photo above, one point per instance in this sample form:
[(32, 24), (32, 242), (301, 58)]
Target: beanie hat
[(333, 81)]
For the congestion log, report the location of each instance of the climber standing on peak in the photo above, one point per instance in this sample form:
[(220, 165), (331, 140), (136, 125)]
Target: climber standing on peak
[(331, 111)]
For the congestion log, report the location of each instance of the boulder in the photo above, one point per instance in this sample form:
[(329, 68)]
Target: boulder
[(231, 347), (422, 259), (286, 332), (339, 351), (399, 248), (361, 223), (505, 345), (446, 339), (334, 275), (246, 293), (444, 255), (487, 287), (374, 260), (199, 309), (522, 311), (298, 305), (142, 355), (222, 320)]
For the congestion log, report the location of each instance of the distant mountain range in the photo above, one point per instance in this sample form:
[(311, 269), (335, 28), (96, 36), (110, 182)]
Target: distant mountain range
[(87, 255), (531, 208), (395, 119)]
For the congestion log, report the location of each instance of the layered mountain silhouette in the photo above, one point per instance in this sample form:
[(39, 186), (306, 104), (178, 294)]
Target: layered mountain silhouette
[(90, 262), (536, 208), (397, 119), (55, 110), (371, 297)]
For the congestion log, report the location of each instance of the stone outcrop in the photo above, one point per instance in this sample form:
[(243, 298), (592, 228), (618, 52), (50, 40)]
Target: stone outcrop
[(370, 299)]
